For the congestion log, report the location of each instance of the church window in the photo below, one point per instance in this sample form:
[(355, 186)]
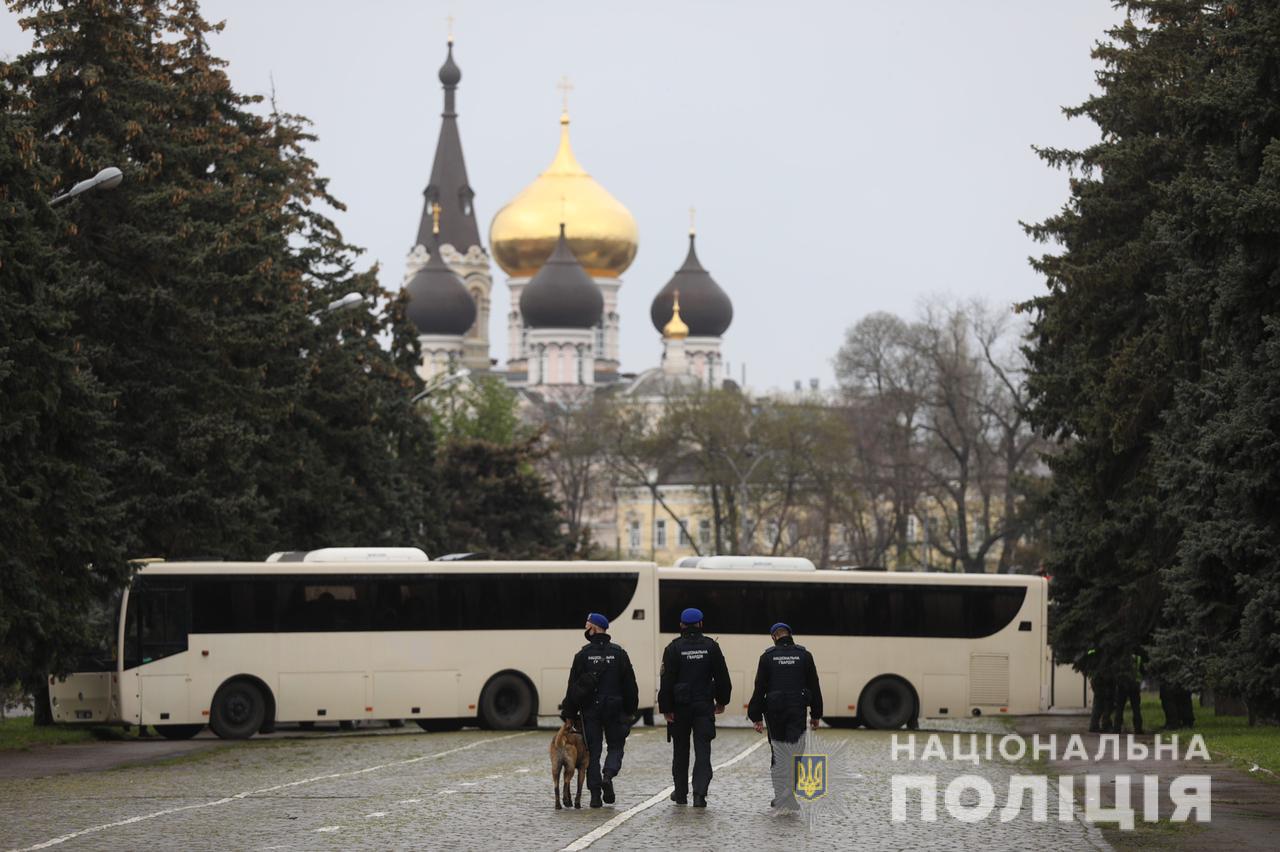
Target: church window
[(633, 538), (660, 533), (704, 533)]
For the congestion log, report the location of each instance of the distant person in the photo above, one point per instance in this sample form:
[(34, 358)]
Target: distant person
[(786, 685), (1129, 691), (1104, 692), (602, 686), (694, 689)]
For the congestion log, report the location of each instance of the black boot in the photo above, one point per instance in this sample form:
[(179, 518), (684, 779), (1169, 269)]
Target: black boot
[(680, 798), (699, 800), (606, 790), (595, 799)]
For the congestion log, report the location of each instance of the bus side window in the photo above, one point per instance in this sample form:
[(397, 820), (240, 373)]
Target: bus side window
[(163, 621)]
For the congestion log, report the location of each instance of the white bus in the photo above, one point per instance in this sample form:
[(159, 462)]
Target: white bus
[(348, 634), (891, 647), (240, 646)]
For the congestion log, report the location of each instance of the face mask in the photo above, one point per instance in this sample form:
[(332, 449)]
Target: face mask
[(588, 634)]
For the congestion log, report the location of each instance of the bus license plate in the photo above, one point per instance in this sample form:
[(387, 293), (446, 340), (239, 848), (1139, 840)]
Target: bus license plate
[(84, 714)]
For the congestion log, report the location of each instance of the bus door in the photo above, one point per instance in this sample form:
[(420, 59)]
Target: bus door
[(160, 618)]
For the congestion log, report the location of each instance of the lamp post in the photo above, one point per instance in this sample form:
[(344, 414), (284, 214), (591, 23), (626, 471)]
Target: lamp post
[(346, 303), (108, 178), (439, 383)]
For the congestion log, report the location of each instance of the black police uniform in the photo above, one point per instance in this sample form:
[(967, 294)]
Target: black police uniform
[(602, 684), (786, 683), (694, 680)]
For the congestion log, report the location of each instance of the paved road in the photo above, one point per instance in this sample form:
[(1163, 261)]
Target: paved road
[(486, 790)]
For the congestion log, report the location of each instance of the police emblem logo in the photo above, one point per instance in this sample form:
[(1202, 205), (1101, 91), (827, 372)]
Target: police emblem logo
[(810, 776)]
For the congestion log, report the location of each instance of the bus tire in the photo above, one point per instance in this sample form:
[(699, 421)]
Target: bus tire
[(507, 702), (887, 703), (841, 721), (439, 726), (238, 711), (178, 732)]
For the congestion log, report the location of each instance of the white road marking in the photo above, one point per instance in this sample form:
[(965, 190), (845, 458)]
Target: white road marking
[(591, 837), (329, 828), (468, 783), (491, 777), (446, 793), (375, 814), (522, 770), (408, 801), (249, 793)]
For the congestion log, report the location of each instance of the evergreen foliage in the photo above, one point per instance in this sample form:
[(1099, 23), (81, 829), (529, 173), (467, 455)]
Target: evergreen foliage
[(173, 386), (60, 554), (1154, 352)]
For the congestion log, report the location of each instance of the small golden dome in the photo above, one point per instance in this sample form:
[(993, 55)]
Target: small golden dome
[(675, 329), (602, 233)]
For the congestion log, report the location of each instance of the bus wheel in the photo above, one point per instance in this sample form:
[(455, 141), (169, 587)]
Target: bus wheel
[(841, 721), (887, 703), (507, 703), (238, 710), (439, 726), (179, 732)]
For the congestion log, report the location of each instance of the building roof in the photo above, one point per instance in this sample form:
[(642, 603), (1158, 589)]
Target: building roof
[(704, 307), (562, 294), (438, 300), (448, 186), (602, 232)]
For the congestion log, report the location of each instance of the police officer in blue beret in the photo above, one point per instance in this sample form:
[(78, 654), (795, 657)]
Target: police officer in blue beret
[(786, 683), (694, 689), (602, 687)]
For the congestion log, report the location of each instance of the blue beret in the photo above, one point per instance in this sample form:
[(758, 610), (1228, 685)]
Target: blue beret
[(780, 626), (598, 620), (691, 616)]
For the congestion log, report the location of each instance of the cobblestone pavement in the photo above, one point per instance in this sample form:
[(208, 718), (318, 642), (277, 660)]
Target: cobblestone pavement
[(491, 790)]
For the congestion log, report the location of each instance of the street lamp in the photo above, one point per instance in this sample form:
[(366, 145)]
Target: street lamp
[(346, 303), (440, 383), (108, 178)]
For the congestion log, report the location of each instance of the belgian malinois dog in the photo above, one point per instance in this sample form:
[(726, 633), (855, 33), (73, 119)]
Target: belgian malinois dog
[(568, 753)]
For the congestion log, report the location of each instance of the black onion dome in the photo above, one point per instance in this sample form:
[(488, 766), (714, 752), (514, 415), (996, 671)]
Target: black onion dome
[(704, 307), (450, 73), (438, 301), (562, 294)]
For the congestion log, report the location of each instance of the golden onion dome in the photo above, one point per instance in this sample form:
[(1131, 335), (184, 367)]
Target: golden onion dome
[(675, 329), (602, 233)]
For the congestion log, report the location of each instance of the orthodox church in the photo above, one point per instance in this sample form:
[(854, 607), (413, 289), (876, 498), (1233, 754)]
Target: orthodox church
[(564, 243)]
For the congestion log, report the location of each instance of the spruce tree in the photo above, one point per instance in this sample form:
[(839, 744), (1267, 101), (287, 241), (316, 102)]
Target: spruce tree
[(1220, 450), (1102, 370), (1155, 352), (60, 556), (181, 306)]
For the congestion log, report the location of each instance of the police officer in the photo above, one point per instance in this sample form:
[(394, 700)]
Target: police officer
[(786, 683), (602, 685), (694, 689)]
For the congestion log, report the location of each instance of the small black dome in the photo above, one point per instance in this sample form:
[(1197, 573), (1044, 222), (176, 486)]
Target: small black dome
[(562, 294), (438, 301), (450, 73), (704, 307)]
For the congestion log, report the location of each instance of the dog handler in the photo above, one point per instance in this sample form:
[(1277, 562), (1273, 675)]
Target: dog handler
[(694, 689), (602, 684), (786, 683)]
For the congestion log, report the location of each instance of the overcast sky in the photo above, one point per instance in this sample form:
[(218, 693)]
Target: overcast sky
[(844, 157)]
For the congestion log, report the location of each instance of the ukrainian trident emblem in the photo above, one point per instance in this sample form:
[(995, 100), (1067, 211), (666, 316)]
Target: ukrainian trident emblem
[(811, 776)]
